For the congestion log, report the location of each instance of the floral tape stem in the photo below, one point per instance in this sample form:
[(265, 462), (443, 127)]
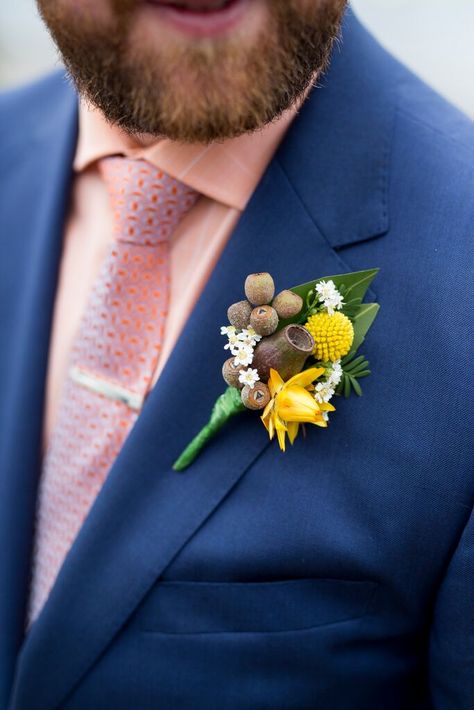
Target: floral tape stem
[(226, 406)]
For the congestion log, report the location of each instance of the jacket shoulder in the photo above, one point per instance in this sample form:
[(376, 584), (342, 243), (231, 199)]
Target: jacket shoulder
[(432, 161), (24, 109), (34, 93), (423, 115)]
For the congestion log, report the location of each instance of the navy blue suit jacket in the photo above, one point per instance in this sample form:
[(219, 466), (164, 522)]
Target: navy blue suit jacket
[(338, 575)]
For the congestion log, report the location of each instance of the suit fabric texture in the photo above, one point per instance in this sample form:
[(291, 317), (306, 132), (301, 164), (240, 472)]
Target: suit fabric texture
[(336, 575)]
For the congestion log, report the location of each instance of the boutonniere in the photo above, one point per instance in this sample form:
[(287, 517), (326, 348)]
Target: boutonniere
[(291, 354)]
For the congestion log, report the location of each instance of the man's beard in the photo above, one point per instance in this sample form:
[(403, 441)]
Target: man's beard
[(229, 89)]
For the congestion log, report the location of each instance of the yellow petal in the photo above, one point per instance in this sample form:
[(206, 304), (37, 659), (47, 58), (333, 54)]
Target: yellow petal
[(321, 422), (305, 378), (281, 438), (271, 428), (280, 425), (295, 404), (326, 407), (269, 425), (275, 383), (293, 431), (268, 409)]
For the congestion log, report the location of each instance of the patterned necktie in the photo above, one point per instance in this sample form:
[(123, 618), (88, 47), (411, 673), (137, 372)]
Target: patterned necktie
[(112, 360)]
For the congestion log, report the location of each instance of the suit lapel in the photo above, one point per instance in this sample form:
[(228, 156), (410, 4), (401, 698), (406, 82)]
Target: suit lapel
[(145, 512), (34, 197)]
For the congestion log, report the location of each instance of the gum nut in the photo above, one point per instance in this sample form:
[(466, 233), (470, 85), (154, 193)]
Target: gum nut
[(231, 372), (264, 320), (256, 397), (287, 304), (259, 289), (239, 314)]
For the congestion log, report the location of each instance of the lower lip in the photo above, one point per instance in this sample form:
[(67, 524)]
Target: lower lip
[(203, 24)]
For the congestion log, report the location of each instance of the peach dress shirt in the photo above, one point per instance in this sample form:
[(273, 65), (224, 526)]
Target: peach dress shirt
[(225, 174)]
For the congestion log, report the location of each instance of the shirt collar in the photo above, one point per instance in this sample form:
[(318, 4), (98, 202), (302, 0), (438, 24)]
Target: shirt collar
[(227, 171)]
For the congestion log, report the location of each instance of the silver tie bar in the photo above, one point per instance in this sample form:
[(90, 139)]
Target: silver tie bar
[(109, 389)]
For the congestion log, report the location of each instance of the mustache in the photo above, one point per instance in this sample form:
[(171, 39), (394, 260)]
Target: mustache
[(125, 8)]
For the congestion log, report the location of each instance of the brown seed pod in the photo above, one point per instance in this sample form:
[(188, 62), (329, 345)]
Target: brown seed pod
[(230, 373), (285, 351), (287, 304), (256, 397), (259, 289), (239, 314), (264, 320)]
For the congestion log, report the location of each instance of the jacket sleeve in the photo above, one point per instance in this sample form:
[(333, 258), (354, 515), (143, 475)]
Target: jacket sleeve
[(452, 633)]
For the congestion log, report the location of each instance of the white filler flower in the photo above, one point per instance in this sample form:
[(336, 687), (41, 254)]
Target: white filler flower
[(249, 377), (329, 296), (233, 343), (323, 392), (228, 329), (249, 336), (335, 375), (243, 355)]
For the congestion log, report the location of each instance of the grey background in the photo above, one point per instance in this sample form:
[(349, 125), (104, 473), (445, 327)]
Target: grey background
[(433, 37)]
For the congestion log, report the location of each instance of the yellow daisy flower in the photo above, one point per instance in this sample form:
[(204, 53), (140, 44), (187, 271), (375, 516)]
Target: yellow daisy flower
[(293, 404)]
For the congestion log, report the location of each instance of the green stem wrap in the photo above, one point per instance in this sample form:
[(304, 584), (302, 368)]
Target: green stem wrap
[(226, 406)]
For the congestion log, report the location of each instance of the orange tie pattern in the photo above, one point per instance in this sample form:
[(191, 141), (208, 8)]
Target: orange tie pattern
[(112, 360)]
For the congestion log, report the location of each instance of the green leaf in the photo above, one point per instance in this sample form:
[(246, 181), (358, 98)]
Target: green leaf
[(351, 308), (346, 359), (353, 368), (351, 365), (356, 386), (362, 322), (353, 287), (356, 284), (355, 371), (347, 387)]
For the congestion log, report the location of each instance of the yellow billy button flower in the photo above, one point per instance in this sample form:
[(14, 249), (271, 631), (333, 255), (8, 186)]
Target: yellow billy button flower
[(333, 335), (293, 404)]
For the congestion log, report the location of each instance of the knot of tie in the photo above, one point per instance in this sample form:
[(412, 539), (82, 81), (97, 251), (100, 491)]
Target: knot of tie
[(147, 203)]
